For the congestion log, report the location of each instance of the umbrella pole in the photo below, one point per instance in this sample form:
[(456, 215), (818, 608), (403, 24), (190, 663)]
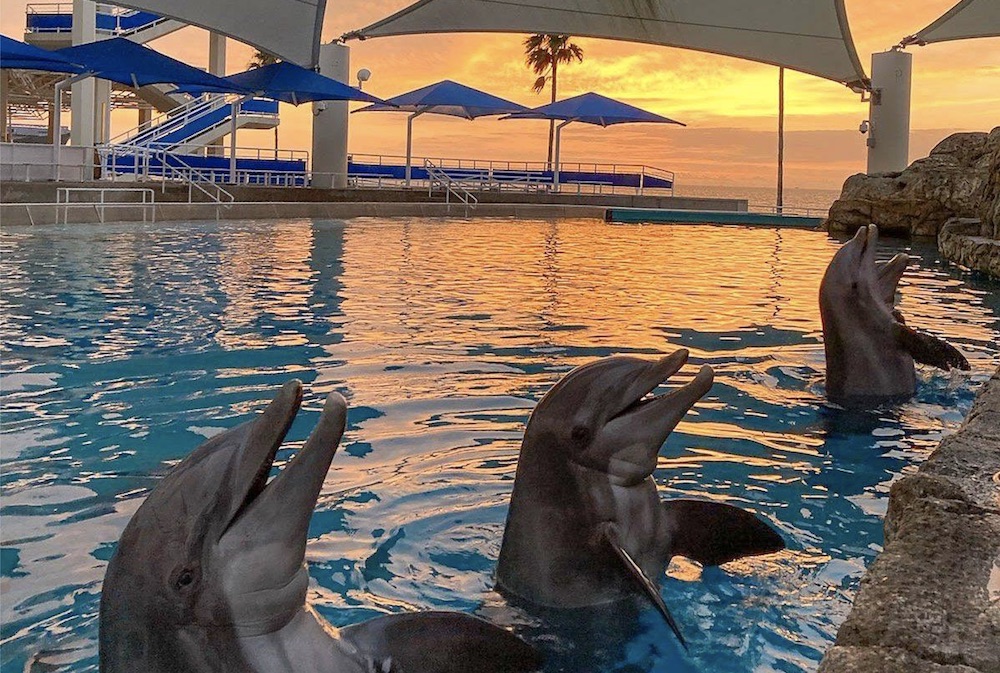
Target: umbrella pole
[(409, 145), (556, 153)]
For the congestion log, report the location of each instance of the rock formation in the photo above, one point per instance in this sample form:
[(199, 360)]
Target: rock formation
[(959, 179)]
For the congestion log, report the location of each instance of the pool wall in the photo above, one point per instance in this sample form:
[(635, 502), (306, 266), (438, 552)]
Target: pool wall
[(931, 600), (49, 213)]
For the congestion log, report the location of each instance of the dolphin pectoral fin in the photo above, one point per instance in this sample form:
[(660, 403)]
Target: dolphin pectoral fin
[(633, 570), (442, 642), (928, 349), (713, 533)]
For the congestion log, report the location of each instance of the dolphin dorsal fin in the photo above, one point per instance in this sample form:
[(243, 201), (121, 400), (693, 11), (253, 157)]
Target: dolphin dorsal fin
[(713, 533), (444, 642), (611, 535), (928, 349)]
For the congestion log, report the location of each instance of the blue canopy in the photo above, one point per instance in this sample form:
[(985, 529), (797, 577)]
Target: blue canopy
[(592, 108), (123, 61), (291, 83), (17, 54), (448, 98)]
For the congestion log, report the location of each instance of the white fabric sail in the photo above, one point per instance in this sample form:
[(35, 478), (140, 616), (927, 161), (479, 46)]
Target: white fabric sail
[(289, 29), (968, 19), (810, 36)]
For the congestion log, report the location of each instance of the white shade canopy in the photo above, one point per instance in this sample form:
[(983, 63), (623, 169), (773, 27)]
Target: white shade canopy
[(810, 36), (289, 29), (968, 19)]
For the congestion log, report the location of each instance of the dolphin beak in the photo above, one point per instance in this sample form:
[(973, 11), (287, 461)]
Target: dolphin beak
[(279, 512), (262, 440), (644, 423)]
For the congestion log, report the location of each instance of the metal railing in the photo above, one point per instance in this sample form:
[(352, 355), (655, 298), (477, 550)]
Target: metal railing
[(113, 11), (149, 163), (491, 175), (443, 179), (64, 201)]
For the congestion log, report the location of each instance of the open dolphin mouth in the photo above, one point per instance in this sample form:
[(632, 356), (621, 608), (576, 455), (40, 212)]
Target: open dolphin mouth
[(285, 504), (640, 396)]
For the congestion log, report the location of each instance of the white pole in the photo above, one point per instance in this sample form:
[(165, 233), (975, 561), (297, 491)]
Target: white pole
[(61, 86), (234, 111), (889, 112), (409, 145), (556, 154)]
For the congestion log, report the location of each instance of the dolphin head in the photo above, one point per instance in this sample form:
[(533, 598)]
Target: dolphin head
[(855, 287), (216, 553), (602, 415)]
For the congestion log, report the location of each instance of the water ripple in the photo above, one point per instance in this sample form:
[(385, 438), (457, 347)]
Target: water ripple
[(125, 346)]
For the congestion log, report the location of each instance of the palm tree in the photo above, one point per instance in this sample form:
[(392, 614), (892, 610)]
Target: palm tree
[(259, 60), (543, 54)]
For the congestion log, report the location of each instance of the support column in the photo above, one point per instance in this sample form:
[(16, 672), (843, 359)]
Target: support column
[(217, 66), (330, 122), (889, 112), (4, 106), (84, 92), (102, 111)]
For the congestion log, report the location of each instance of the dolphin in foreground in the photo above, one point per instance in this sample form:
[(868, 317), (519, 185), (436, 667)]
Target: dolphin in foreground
[(586, 526), (870, 350), (209, 574)]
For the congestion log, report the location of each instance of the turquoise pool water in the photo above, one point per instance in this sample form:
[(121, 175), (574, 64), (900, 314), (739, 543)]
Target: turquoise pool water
[(125, 346)]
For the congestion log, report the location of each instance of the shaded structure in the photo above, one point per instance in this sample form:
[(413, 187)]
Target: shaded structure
[(443, 98), (589, 108), (810, 36), (15, 54), (968, 19), (289, 29)]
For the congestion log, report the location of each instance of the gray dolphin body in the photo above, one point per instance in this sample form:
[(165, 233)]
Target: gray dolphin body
[(209, 574), (586, 525), (870, 351)]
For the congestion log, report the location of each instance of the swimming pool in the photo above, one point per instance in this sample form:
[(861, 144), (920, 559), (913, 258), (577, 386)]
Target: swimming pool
[(124, 346)]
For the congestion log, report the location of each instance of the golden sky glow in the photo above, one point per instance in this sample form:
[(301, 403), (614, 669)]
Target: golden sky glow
[(730, 106)]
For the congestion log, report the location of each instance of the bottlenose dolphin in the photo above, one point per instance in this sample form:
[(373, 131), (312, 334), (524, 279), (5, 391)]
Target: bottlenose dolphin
[(586, 526), (869, 348), (209, 574)]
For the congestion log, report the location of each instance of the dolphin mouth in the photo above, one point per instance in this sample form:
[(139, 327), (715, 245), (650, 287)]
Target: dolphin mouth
[(260, 449), (641, 393)]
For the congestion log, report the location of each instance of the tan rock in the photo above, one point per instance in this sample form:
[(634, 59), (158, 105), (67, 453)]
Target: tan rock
[(952, 181)]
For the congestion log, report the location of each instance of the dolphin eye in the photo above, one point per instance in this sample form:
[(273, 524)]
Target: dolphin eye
[(580, 434), (184, 579)]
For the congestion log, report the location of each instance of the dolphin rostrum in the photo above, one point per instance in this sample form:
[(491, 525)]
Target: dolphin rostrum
[(586, 526), (870, 350), (209, 574)]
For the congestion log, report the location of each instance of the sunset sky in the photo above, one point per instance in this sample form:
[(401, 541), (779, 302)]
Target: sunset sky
[(729, 106)]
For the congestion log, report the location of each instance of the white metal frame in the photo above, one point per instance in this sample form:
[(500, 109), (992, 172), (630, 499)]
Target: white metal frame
[(64, 202)]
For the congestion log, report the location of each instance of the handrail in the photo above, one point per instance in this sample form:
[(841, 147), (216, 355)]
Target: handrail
[(443, 179), (103, 203)]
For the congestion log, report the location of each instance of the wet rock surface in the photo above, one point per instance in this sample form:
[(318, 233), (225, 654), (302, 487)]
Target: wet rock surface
[(957, 179), (972, 244), (931, 600)]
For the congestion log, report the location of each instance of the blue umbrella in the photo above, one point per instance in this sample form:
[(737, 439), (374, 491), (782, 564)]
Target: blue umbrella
[(590, 108), (123, 61), (17, 54), (444, 98), (291, 83)]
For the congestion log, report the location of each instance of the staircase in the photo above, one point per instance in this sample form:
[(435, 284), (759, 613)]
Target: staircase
[(189, 128), (439, 178), (175, 144)]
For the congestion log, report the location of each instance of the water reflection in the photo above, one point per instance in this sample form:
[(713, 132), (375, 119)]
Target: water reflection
[(124, 346)]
